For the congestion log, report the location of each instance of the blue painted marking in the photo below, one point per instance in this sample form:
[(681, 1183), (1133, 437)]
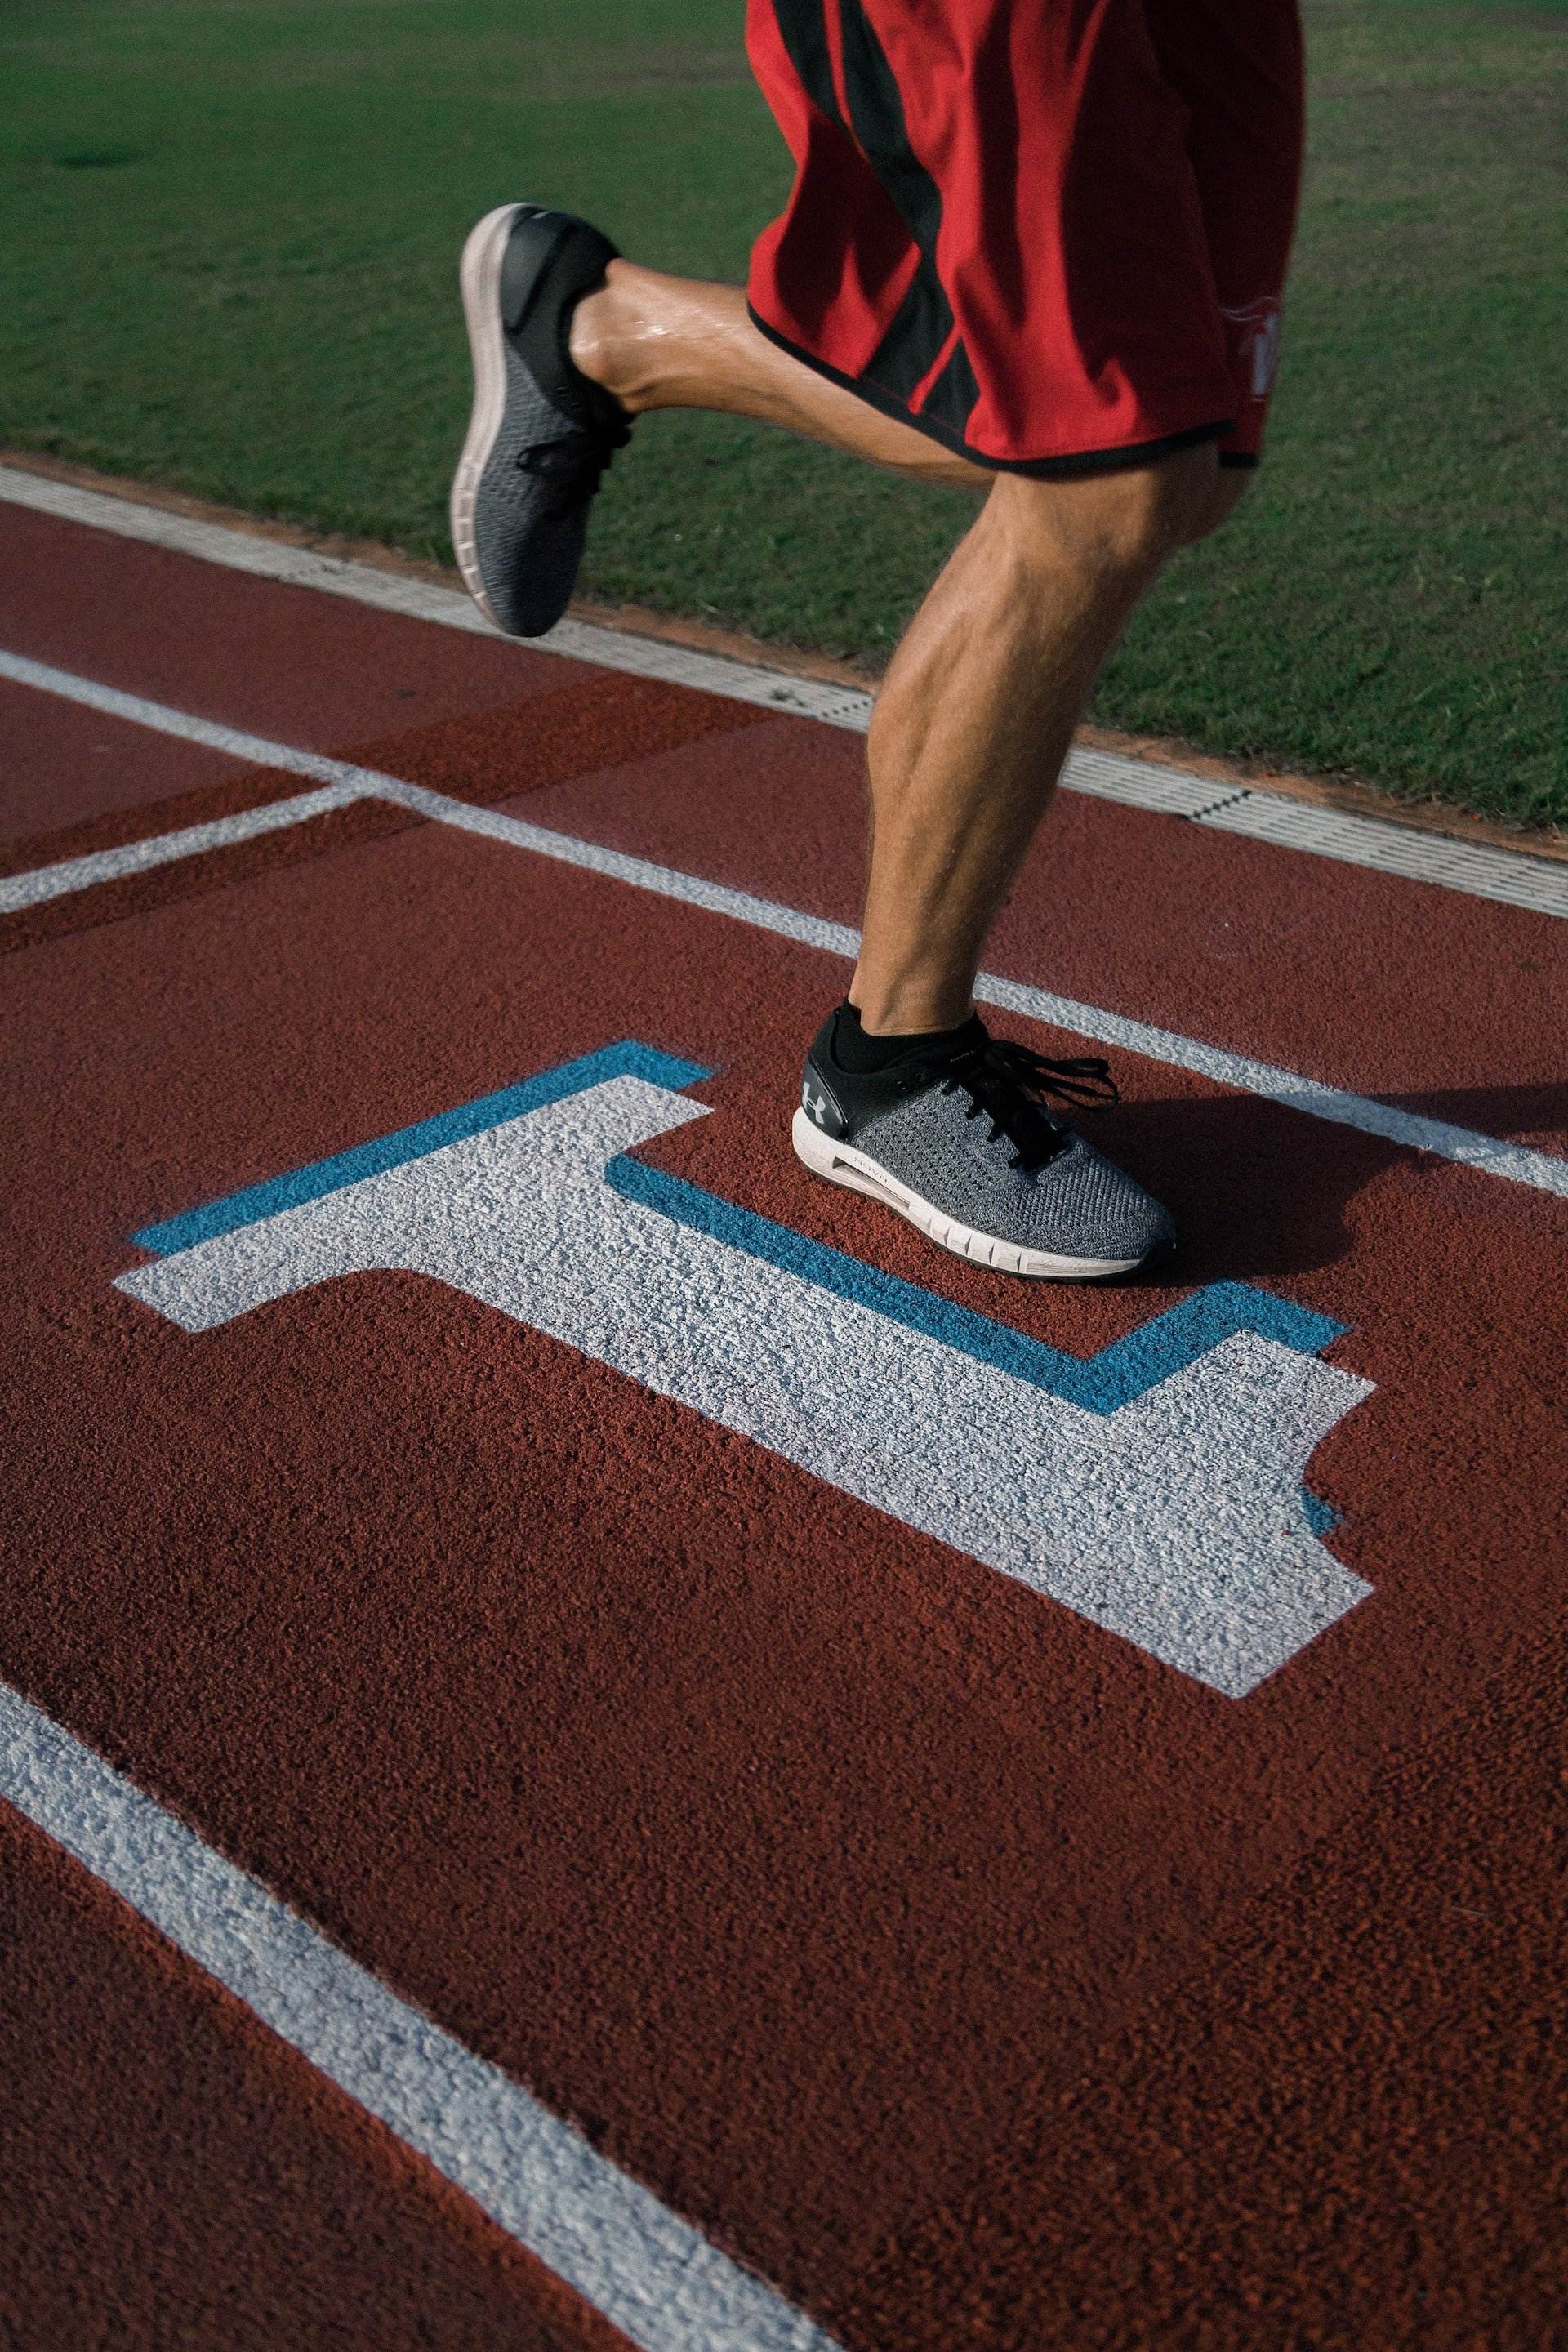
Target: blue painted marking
[(625, 1060), (1321, 1517), (1099, 1383)]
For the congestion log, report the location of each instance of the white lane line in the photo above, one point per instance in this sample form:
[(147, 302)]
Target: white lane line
[(649, 2271), (422, 599), (341, 783), (1512, 877), (19, 890), (1466, 1146)]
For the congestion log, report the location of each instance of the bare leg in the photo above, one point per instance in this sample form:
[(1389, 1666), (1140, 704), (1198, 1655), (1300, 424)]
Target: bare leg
[(978, 707), (680, 342)]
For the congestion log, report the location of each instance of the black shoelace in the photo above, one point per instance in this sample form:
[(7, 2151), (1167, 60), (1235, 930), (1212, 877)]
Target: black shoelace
[(1007, 1084), (572, 466)]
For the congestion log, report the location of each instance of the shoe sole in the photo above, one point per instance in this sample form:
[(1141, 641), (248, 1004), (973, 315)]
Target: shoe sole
[(479, 277), (840, 1163)]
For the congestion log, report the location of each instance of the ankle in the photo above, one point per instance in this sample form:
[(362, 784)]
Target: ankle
[(906, 1010), (605, 338), (861, 1051)]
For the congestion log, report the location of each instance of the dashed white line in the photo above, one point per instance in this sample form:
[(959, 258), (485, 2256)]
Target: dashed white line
[(1465, 1145)]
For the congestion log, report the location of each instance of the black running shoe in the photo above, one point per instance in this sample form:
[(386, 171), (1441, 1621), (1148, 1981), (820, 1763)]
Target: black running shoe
[(960, 1144), (541, 433)]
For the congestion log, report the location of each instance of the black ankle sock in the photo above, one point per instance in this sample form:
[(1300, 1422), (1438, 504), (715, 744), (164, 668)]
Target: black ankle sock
[(856, 1051)]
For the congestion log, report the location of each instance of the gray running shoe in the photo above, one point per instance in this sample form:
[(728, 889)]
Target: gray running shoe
[(541, 433), (957, 1141)]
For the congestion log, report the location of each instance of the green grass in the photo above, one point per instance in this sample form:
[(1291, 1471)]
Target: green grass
[(227, 238)]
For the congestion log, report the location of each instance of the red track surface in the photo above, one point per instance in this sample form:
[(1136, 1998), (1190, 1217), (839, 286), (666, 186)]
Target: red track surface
[(980, 1980)]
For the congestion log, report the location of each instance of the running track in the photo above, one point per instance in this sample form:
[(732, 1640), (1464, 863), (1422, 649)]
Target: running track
[(545, 1811)]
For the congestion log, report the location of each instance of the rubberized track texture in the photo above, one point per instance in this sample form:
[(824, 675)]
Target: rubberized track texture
[(601, 1746)]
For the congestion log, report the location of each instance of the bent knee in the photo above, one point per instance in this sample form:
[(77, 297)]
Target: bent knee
[(1124, 523)]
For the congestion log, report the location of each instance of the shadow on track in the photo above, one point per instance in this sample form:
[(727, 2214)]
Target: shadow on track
[(1256, 1194)]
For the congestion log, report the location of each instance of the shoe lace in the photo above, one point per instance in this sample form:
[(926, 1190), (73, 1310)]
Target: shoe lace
[(572, 466), (1008, 1084)]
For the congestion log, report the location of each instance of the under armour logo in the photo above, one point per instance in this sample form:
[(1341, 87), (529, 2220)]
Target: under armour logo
[(815, 1105)]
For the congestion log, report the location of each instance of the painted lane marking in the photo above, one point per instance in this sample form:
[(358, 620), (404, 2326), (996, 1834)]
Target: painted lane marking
[(1126, 1369), (1467, 1146), (343, 783), (648, 2271), (1098, 1384), (21, 890), (1172, 1515), (1512, 877), (344, 1168)]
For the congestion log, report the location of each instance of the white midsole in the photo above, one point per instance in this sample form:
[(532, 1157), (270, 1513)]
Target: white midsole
[(842, 1165), (480, 280)]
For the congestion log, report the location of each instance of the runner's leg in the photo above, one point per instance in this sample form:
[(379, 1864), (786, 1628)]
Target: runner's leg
[(977, 711), (978, 707), (680, 342), (1034, 290)]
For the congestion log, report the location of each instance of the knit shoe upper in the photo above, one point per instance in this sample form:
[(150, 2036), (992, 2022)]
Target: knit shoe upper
[(541, 433), (962, 1146)]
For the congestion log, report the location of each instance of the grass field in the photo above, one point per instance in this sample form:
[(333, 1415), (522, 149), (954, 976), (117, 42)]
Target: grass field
[(226, 257)]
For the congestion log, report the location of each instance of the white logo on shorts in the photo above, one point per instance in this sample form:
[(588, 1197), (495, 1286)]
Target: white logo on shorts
[(1259, 342)]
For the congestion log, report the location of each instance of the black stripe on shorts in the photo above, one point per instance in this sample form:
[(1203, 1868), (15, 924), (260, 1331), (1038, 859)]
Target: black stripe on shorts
[(923, 321)]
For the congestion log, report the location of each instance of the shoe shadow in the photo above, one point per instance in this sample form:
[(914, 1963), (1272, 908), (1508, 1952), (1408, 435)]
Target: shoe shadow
[(1257, 1189)]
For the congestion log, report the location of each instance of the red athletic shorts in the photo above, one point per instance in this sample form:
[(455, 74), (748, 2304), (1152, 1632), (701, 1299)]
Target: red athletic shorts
[(1052, 234)]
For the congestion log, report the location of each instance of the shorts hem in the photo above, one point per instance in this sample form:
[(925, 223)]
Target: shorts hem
[(1078, 461)]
